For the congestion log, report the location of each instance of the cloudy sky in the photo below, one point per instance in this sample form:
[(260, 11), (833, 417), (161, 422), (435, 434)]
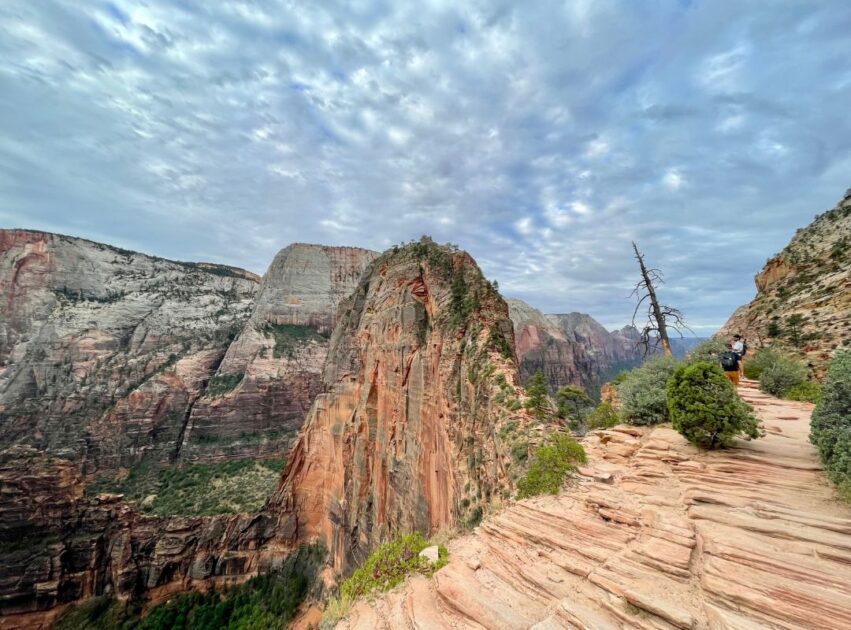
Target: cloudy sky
[(540, 136)]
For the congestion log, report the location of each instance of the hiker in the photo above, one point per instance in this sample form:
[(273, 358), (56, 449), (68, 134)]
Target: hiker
[(730, 364), (740, 348)]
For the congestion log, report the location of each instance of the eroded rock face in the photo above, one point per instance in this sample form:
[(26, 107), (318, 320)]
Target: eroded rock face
[(571, 349), (112, 360), (411, 432), (810, 277), (60, 545), (103, 351), (653, 534), (277, 358)]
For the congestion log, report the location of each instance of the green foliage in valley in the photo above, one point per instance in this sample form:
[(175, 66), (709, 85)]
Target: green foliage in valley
[(550, 465), (267, 601), (239, 486), (289, 337), (830, 430), (705, 408)]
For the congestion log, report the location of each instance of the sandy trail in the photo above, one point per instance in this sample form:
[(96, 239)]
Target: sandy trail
[(655, 534)]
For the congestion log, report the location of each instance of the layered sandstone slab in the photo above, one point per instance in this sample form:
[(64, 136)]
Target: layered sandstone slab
[(654, 534)]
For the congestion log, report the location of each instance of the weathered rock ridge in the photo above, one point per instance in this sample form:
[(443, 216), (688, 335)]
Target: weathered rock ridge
[(277, 359), (655, 535), (571, 349), (412, 431), (113, 361), (810, 277), (102, 350)]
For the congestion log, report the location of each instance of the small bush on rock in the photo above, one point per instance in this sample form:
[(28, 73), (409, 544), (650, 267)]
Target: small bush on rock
[(705, 407), (604, 417), (809, 391), (391, 563), (830, 429), (782, 375), (643, 392), (709, 351), (550, 465), (761, 359)]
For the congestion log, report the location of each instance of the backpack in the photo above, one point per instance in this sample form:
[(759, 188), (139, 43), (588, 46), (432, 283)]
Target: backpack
[(744, 348), (730, 362)]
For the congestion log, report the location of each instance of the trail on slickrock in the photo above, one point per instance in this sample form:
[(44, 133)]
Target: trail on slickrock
[(655, 534)]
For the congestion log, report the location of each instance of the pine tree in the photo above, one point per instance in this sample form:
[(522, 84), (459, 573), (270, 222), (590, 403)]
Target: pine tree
[(538, 401)]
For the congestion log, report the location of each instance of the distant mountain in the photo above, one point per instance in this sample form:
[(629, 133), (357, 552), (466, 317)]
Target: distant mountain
[(570, 349)]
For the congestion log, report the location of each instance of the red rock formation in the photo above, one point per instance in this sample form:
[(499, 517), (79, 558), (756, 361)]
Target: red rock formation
[(570, 349), (653, 534), (810, 277), (407, 434)]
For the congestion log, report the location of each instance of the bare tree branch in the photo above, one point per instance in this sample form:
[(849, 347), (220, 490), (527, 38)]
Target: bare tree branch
[(660, 317)]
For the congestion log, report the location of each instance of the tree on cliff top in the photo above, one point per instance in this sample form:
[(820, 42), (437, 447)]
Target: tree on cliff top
[(660, 317)]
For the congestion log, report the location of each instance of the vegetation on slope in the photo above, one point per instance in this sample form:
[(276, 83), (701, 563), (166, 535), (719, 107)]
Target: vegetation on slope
[(830, 429), (550, 465), (385, 568), (267, 601), (239, 486)]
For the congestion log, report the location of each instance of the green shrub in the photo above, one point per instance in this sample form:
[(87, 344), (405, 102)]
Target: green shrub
[(761, 359), (550, 465), (785, 373), (709, 351), (538, 401), (390, 564), (604, 417), (810, 391), (221, 384), (830, 429), (705, 407), (643, 391)]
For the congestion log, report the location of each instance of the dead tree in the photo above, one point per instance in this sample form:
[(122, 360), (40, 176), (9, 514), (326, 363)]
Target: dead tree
[(660, 317)]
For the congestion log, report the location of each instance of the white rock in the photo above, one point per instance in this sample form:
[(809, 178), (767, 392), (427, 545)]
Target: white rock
[(432, 554)]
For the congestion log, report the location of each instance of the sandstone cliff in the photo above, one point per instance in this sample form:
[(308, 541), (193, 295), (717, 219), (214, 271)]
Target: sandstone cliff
[(274, 366), (113, 362), (810, 277), (102, 350), (571, 349), (414, 428)]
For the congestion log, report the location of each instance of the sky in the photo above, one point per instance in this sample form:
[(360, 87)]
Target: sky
[(542, 137)]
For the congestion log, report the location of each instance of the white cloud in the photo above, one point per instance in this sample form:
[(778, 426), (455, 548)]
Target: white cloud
[(673, 179), (519, 132)]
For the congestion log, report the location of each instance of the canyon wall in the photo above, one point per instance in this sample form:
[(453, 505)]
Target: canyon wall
[(811, 277), (571, 349), (275, 363), (414, 429), (103, 351), (115, 364)]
